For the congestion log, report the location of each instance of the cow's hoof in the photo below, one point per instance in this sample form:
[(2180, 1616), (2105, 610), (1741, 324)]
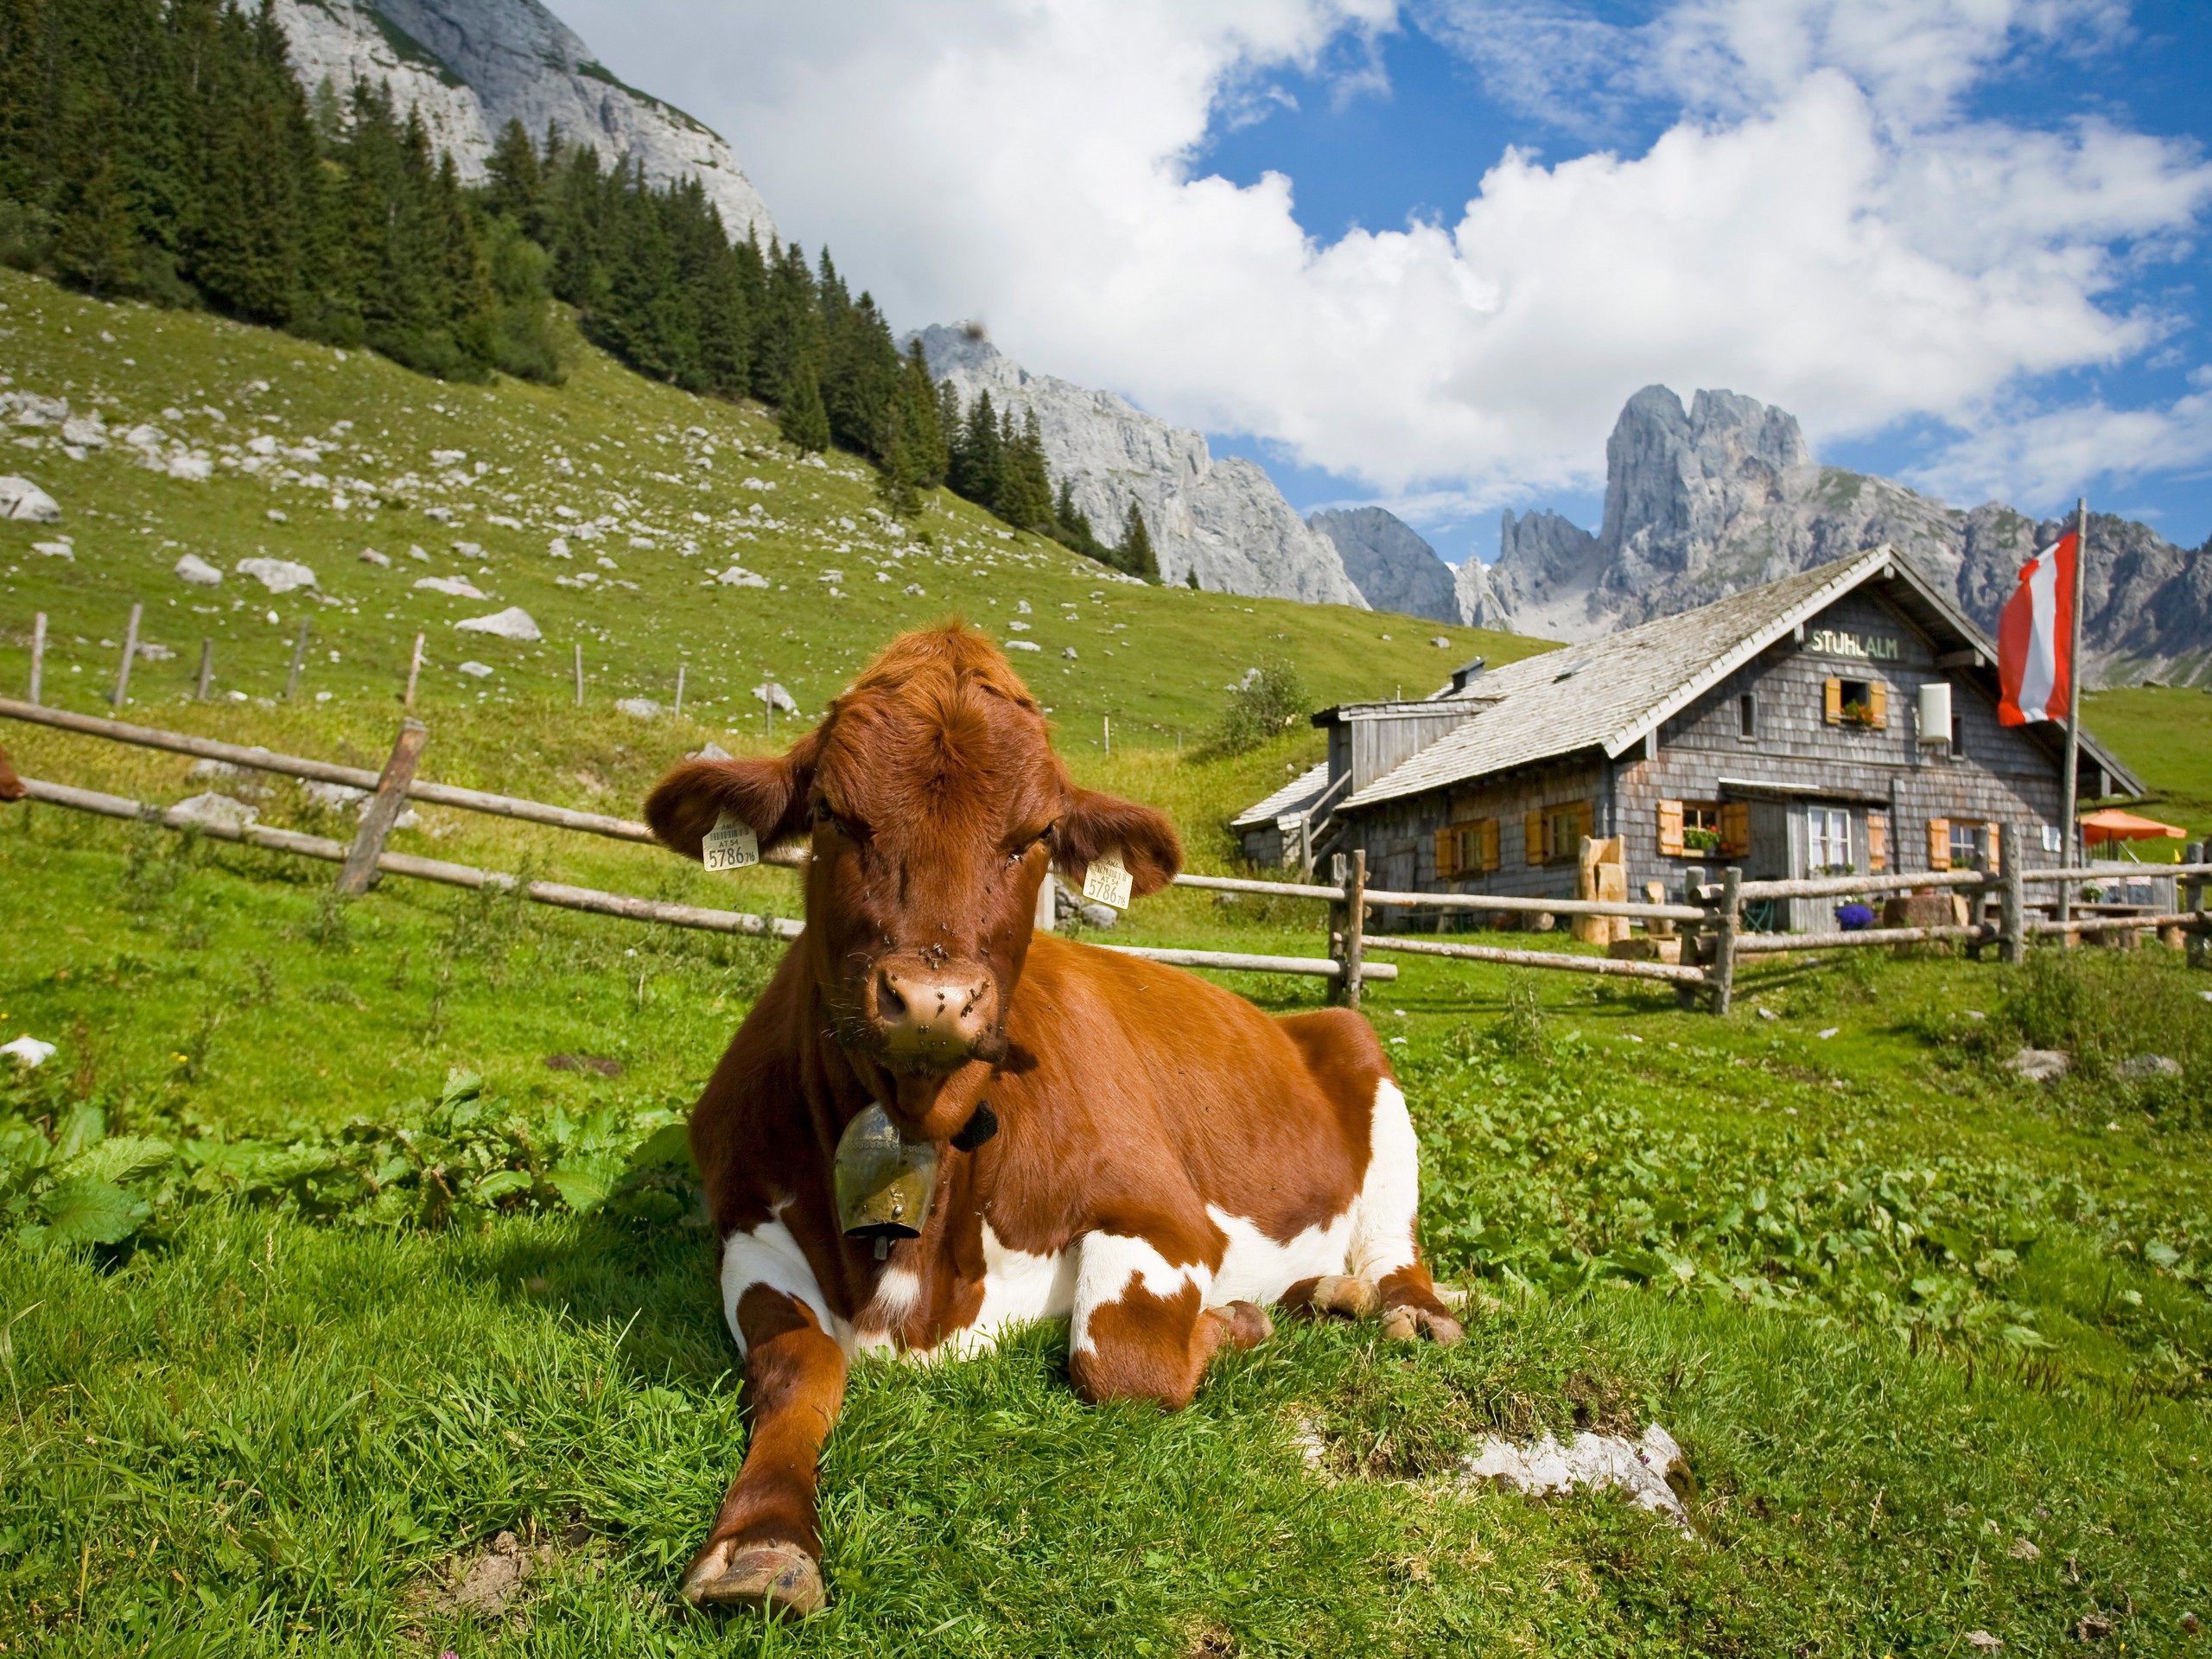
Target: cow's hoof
[(774, 1577), (1249, 1324), (1342, 1294), (1406, 1322)]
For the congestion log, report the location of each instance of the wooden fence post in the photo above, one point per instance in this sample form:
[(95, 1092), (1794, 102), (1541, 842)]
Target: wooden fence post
[(2012, 917), (2193, 898), (1720, 977), (414, 669), (130, 650), (299, 661), (384, 809), (679, 690), (1354, 927), (38, 656), (206, 669), (580, 676)]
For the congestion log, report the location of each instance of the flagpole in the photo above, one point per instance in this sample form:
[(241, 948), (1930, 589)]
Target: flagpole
[(2069, 788)]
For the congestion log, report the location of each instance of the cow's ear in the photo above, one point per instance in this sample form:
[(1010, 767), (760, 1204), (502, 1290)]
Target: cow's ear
[(770, 794), (1093, 825)]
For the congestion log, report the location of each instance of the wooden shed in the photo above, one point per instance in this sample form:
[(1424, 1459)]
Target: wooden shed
[(1842, 720)]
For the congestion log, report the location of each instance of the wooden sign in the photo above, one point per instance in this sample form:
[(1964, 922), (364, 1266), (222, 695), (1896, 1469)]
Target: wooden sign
[(1863, 647)]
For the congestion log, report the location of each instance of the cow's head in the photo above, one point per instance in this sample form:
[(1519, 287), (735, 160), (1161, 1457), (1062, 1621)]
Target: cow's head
[(934, 807)]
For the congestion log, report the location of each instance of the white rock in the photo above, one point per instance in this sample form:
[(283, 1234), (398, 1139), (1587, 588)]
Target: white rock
[(418, 556), (469, 550), (150, 652), (1019, 627), (559, 547), (55, 550), (514, 623), (639, 708), (211, 807), (27, 1052), (477, 670), (1023, 644), (86, 431), (776, 697), (277, 575), (193, 468), (1543, 1468), (332, 796), (28, 409), (457, 587), (21, 499), (2138, 1067), (1068, 652), (369, 555), (738, 576), (712, 750), (2041, 1065), (197, 571)]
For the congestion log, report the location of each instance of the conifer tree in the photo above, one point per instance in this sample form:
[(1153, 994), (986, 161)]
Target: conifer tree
[(802, 419), (976, 464), (1134, 554)]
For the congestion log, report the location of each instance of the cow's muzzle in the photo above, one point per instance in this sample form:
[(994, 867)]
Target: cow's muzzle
[(933, 1016)]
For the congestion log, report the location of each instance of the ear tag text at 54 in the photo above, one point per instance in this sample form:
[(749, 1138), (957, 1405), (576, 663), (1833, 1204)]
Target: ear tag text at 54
[(1107, 881), (730, 845)]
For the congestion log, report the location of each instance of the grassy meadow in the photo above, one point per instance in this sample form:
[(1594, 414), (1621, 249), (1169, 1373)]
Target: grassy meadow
[(401, 1260)]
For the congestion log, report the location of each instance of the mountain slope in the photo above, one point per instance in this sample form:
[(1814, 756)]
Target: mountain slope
[(472, 65), (655, 530), (1706, 501), (1224, 519)]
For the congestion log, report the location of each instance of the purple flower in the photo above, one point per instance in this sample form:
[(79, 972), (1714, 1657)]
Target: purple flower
[(1851, 917)]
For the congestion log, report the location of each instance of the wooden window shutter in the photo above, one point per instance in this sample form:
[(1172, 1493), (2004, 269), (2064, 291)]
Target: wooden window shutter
[(1736, 828), (1831, 702), (1585, 821), (1939, 843), (1447, 853), (1670, 828), (1990, 839), (1878, 841), (1878, 695), (1487, 834), (1532, 832)]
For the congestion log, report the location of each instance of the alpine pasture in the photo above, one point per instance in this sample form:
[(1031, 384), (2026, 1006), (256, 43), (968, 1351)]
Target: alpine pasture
[(405, 1256)]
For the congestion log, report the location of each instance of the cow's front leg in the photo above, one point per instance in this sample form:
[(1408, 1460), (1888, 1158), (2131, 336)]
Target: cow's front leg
[(766, 1548), (1141, 1328)]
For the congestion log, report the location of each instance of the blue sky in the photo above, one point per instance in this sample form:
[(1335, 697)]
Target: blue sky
[(1376, 149), (1420, 252)]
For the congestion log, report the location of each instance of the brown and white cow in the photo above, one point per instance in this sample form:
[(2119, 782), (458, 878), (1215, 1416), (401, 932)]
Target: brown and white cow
[(1166, 1157)]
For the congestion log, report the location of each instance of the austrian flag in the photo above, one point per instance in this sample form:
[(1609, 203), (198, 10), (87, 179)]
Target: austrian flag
[(2034, 637)]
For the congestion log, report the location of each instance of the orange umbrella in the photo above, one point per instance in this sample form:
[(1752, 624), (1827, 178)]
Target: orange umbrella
[(2112, 824)]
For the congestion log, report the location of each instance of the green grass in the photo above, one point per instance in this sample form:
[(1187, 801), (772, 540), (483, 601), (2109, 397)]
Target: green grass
[(1903, 1310), (2163, 733)]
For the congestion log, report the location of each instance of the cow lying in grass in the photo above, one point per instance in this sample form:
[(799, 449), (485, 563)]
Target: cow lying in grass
[(1093, 1137)]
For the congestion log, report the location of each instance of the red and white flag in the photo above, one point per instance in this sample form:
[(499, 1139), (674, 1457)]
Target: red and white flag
[(2034, 631)]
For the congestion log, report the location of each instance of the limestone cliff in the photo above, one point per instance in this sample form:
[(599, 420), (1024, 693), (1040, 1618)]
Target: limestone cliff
[(1223, 518), (1393, 567), (472, 65)]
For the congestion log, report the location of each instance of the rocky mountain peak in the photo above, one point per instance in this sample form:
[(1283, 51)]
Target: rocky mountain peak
[(472, 65), (1220, 516), (1393, 567)]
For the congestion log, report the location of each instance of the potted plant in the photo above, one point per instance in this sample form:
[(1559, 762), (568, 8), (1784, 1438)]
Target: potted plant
[(1860, 715), (1701, 841)]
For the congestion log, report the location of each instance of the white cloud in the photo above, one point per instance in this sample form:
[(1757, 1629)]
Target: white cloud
[(1817, 226), (2041, 462)]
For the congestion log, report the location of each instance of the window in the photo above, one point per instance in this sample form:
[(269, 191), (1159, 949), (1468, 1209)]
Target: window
[(1958, 735), (1747, 715), (2054, 839), (1965, 839), (1864, 704), (1468, 847), (1704, 828), (1555, 832), (1828, 843)]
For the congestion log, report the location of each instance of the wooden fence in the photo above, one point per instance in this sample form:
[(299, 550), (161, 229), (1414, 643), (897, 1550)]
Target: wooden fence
[(1709, 921), (366, 857)]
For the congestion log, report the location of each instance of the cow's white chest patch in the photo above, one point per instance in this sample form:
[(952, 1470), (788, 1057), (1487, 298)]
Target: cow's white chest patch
[(1018, 1286)]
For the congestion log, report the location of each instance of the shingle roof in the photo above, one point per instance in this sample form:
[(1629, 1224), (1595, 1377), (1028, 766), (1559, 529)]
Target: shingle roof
[(1607, 694), (1293, 797)]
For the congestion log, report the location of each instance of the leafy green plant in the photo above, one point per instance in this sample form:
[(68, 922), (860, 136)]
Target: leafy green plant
[(1268, 700), (78, 1186)]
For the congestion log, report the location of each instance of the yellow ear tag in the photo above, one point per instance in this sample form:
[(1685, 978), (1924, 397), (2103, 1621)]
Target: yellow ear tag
[(730, 845), (1107, 881)]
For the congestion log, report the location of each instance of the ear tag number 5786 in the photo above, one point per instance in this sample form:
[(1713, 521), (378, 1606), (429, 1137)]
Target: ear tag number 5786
[(731, 844), (1107, 881)]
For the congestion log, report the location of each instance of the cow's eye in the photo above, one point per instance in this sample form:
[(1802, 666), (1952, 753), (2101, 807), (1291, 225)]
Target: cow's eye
[(851, 829)]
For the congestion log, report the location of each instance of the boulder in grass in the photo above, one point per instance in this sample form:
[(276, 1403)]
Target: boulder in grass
[(60, 549), (2041, 1065), (211, 807), (27, 1052), (514, 623), (21, 499), (478, 670), (453, 587), (639, 708), (197, 571), (369, 555), (2142, 1068), (738, 576), (277, 575)]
